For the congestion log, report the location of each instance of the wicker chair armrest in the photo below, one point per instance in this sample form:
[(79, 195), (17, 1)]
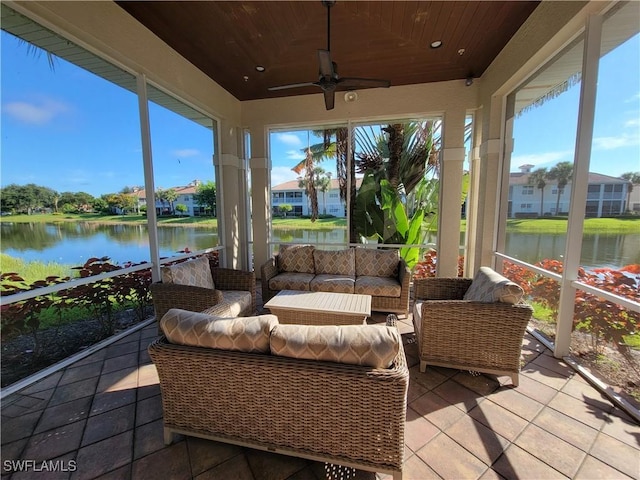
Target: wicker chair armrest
[(230, 279), (440, 288), (170, 295), (404, 275), (268, 270)]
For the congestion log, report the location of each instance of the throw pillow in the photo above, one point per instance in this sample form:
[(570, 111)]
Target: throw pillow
[(368, 345), (489, 286), (341, 262), (196, 273), (296, 258), (244, 334)]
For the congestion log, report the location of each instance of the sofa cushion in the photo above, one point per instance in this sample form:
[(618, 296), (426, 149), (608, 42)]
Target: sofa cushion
[(233, 304), (332, 283), (291, 281), (378, 286), (296, 258), (376, 263), (196, 273), (489, 286), (245, 334), (369, 345), (335, 262)]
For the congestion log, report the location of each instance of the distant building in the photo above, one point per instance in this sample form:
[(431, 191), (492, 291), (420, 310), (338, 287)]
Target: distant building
[(185, 197), (606, 196), (291, 193)]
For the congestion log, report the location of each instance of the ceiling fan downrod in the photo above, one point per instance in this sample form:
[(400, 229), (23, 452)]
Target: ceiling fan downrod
[(328, 4)]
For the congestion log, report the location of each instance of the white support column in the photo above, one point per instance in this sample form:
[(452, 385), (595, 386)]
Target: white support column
[(579, 184), (260, 195), (449, 208), (149, 185)]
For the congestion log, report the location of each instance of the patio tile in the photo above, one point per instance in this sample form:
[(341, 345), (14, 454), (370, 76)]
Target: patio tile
[(64, 414), (544, 375), (109, 424), (537, 391), (620, 426), (581, 390), (450, 460), (430, 379), (415, 468), (555, 365), (529, 342), (499, 419), (122, 473), (206, 454), (515, 402), (96, 357), (483, 442), (555, 452), (105, 401), (82, 372), (19, 427), (481, 384), (148, 410), (149, 438), (460, 396), (74, 391), (171, 463), (415, 390), (593, 469), (236, 468), (117, 350), (143, 357), (148, 375), (418, 431), (584, 412), (51, 381), (12, 451), (55, 442), (119, 380), (572, 431), (491, 474), (102, 457), (148, 391), (120, 362), (617, 454), (272, 466), (517, 463), (435, 409)]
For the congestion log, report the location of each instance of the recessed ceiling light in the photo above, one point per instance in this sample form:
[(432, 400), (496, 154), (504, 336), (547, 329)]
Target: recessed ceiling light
[(436, 44), (260, 68), (461, 51)]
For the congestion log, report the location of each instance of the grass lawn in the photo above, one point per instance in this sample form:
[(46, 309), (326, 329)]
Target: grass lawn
[(107, 219)]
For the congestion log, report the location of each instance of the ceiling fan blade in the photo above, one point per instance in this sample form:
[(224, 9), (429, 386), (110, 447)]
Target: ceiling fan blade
[(329, 99), (293, 85), (326, 65), (351, 82)]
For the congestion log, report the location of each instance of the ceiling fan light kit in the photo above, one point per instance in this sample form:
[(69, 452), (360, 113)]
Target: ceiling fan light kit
[(328, 80), (350, 96)]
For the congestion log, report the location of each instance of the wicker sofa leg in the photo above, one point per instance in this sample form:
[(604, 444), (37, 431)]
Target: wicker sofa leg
[(515, 379), (168, 436), (423, 366)]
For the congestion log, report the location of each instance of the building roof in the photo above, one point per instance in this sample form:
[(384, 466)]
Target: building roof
[(519, 178), (293, 185)]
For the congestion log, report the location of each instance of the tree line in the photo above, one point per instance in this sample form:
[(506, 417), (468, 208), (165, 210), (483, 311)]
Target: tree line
[(32, 198)]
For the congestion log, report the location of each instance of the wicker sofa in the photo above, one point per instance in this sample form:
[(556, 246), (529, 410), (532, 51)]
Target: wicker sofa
[(199, 285), (383, 274), (470, 324), (231, 386)]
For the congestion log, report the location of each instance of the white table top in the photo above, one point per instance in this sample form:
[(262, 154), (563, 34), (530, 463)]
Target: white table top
[(322, 302)]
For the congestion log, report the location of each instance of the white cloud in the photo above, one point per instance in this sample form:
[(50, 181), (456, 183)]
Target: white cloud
[(541, 158), (611, 143), (186, 152), (289, 139), (37, 112), (634, 98), (282, 174), (634, 122), (294, 155)]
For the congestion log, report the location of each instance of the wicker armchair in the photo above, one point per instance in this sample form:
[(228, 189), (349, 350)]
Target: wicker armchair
[(456, 333), (197, 299)]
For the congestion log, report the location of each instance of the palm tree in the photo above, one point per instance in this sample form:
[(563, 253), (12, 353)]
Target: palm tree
[(538, 178), (309, 181), (171, 196), (323, 183), (634, 179), (561, 173)]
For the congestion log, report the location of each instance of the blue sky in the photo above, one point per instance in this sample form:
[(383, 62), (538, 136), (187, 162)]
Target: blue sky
[(71, 131)]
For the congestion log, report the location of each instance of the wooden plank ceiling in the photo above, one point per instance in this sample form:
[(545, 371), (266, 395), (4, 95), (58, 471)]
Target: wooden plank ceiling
[(372, 39)]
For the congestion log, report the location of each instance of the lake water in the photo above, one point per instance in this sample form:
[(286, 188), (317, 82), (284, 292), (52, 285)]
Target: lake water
[(74, 243)]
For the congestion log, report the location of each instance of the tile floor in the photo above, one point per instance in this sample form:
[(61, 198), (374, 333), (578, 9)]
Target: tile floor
[(101, 418)]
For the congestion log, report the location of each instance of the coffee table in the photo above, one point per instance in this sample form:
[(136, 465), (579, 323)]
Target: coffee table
[(320, 308)]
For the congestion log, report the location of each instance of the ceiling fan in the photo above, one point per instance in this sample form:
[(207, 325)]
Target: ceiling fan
[(329, 80)]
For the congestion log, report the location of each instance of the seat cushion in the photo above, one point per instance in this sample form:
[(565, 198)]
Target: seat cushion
[(376, 263), (489, 286), (296, 258), (369, 345), (195, 273), (378, 286), (291, 281), (245, 334), (234, 303), (335, 262), (332, 283)]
